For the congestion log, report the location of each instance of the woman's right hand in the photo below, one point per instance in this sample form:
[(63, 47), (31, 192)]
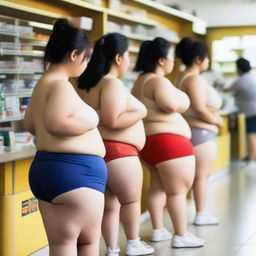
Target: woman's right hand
[(219, 120), (88, 115), (133, 104)]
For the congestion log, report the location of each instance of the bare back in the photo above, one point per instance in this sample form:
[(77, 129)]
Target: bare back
[(111, 99), (45, 110), (164, 104)]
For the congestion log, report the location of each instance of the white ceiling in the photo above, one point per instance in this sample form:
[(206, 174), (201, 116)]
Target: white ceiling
[(220, 12)]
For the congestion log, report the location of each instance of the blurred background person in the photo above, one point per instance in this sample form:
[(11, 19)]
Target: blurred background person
[(244, 89)]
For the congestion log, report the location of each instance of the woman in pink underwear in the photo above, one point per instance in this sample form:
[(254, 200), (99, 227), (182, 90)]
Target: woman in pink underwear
[(168, 152), (123, 134)]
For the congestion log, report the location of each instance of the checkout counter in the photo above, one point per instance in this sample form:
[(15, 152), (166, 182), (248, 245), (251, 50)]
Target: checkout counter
[(21, 227)]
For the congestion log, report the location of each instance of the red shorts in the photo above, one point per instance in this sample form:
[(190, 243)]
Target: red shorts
[(165, 146), (116, 149)]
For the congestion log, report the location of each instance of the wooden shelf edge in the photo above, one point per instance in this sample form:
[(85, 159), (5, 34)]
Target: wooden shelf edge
[(109, 12)]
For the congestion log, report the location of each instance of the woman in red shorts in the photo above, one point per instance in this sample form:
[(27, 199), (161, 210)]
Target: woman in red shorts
[(168, 152), (123, 134)]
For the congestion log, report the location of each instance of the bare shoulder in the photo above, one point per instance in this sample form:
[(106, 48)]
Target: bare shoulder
[(111, 81), (159, 81), (194, 79), (60, 86), (111, 84)]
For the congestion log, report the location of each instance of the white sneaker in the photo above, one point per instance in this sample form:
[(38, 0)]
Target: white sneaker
[(112, 252), (161, 234), (187, 241), (202, 219), (137, 247), (250, 167)]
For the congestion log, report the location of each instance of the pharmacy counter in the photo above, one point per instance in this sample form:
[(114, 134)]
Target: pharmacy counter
[(21, 227)]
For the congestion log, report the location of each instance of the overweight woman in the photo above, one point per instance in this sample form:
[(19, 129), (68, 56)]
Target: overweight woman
[(68, 175), (202, 117), (168, 152), (123, 134)]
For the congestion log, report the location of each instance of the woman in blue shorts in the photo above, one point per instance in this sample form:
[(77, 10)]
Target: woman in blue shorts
[(68, 174)]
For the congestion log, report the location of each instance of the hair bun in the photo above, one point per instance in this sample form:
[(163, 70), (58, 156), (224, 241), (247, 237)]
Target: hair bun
[(183, 46), (61, 25)]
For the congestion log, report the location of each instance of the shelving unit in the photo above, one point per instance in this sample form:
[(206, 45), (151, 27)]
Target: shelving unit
[(41, 16), (21, 55), (11, 118), (20, 92), (137, 37), (18, 72)]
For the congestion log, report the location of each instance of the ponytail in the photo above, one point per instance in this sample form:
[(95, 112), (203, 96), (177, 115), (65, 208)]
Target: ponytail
[(105, 50)]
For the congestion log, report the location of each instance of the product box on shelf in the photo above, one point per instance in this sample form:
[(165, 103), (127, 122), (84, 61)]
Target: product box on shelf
[(8, 136), (82, 22)]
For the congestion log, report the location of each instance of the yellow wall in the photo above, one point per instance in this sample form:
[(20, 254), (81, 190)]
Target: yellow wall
[(221, 32)]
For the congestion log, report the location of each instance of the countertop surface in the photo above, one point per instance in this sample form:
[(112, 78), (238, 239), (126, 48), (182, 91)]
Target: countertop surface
[(8, 154)]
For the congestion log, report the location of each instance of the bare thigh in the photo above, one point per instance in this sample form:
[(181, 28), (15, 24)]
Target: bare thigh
[(177, 175), (75, 214), (125, 178), (205, 157)]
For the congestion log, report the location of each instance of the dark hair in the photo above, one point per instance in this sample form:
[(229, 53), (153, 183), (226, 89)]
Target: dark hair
[(187, 50), (64, 39), (149, 54), (105, 50), (243, 65)]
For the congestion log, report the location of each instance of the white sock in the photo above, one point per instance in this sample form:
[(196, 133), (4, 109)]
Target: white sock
[(201, 213), (159, 229), (133, 241)]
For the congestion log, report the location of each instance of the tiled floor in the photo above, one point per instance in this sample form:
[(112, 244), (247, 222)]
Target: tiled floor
[(233, 199)]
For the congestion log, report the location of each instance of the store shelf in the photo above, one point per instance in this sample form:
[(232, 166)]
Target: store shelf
[(138, 37), (11, 118), (134, 49), (36, 41), (19, 71), (130, 18), (87, 5), (40, 25), (111, 13), (20, 93), (39, 44), (166, 9), (21, 53), (199, 26), (24, 11), (16, 153)]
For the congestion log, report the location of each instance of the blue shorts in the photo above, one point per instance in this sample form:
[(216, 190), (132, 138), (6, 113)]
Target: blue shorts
[(52, 174), (251, 124)]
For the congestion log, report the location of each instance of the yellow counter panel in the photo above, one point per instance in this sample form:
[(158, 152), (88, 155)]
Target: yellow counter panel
[(21, 227)]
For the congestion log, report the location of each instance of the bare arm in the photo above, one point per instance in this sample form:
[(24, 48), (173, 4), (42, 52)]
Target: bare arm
[(169, 98), (198, 97), (28, 122), (60, 111), (116, 109)]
